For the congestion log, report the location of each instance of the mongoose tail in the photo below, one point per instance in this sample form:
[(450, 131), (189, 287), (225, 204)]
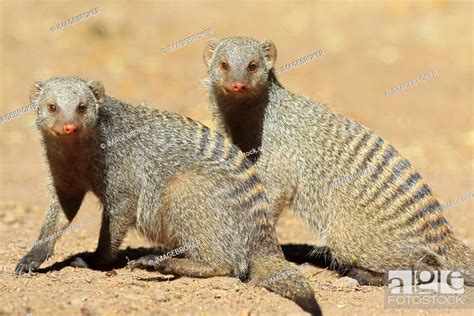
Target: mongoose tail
[(286, 281), (268, 267)]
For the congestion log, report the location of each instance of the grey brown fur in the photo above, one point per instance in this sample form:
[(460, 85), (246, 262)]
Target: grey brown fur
[(383, 219), (157, 182)]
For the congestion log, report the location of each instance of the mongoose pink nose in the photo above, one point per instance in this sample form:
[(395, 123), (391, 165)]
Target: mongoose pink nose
[(69, 128), (237, 86)]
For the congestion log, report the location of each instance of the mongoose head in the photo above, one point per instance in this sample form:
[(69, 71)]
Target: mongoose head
[(67, 107), (239, 67)]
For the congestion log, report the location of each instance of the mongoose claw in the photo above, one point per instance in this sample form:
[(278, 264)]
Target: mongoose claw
[(145, 262), (22, 268), (28, 264), (133, 264), (32, 260)]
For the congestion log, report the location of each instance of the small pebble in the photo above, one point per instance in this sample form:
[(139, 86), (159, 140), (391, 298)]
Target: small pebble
[(346, 282)]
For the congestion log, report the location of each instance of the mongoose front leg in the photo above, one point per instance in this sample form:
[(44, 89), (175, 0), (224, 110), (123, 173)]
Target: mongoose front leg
[(179, 266), (62, 210)]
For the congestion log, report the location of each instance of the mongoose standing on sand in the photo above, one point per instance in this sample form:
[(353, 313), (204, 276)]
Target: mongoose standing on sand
[(157, 182), (385, 218)]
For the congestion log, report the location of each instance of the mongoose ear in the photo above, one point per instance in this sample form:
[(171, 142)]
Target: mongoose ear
[(35, 90), (98, 90), (209, 50), (270, 52)]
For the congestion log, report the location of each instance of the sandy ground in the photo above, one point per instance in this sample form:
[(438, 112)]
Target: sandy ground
[(369, 47)]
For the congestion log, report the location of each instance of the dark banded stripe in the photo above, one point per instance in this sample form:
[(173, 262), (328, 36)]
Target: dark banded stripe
[(334, 175), (399, 169), (438, 237), (218, 147), (233, 153), (204, 140), (361, 142), (375, 148), (265, 215), (373, 179), (440, 221), (429, 209), (412, 180), (365, 164), (423, 192), (245, 187), (353, 131), (388, 155), (242, 165), (254, 200), (418, 197), (426, 210), (403, 188)]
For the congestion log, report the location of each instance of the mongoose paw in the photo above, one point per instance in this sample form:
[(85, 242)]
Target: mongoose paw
[(79, 262), (366, 277), (90, 261), (146, 262), (29, 263)]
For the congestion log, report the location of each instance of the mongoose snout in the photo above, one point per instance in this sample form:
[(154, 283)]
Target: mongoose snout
[(70, 128), (237, 86)]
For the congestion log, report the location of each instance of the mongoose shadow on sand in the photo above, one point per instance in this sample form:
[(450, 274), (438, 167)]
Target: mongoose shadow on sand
[(297, 253)]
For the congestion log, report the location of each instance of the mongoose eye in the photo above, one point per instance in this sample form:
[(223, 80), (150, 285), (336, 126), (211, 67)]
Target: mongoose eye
[(253, 67), (52, 108), (82, 108), (225, 66)]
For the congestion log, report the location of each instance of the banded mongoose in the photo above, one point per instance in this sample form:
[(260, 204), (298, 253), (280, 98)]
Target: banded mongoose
[(385, 218), (157, 182)]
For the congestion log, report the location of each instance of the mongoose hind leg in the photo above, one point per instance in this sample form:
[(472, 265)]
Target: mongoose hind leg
[(179, 266)]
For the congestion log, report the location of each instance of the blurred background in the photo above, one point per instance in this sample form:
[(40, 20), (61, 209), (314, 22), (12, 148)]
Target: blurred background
[(370, 47)]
